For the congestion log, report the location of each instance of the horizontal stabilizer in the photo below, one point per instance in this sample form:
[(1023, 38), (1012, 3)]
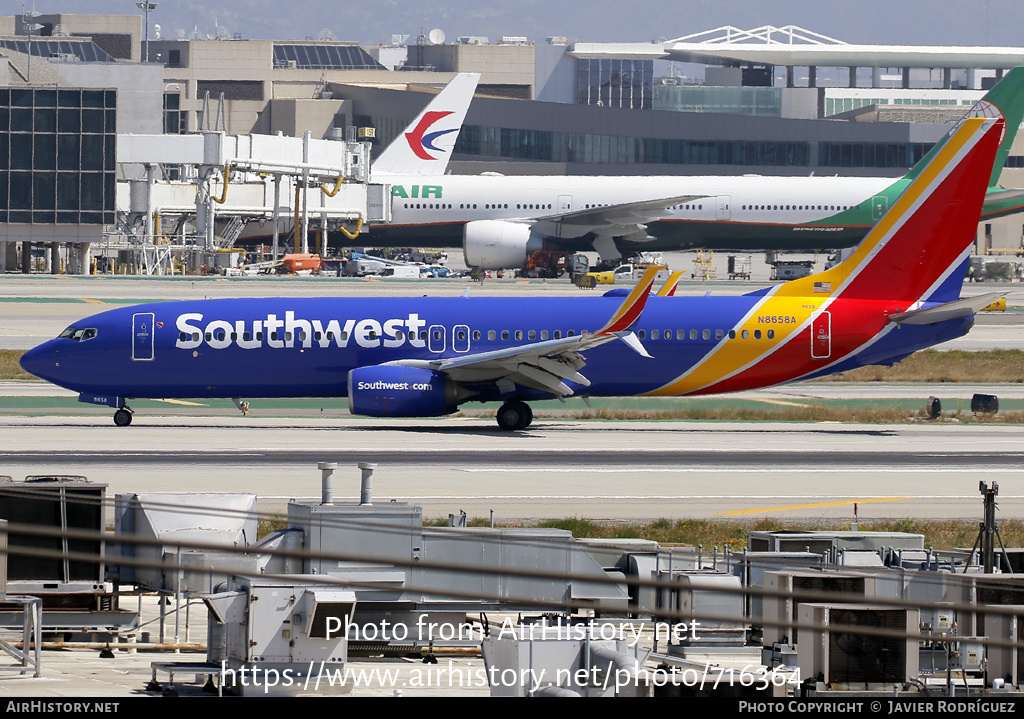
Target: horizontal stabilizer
[(994, 197), (946, 311)]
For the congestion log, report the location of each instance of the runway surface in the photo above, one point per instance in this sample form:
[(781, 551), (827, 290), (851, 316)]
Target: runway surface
[(634, 470)]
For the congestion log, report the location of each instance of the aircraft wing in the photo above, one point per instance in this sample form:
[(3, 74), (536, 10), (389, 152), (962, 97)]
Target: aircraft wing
[(618, 219), (545, 365)]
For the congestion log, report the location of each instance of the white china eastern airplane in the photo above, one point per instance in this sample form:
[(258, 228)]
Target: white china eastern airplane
[(499, 219)]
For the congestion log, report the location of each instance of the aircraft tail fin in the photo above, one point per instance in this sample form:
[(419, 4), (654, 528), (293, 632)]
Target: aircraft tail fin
[(1006, 99), (914, 250), (426, 145)]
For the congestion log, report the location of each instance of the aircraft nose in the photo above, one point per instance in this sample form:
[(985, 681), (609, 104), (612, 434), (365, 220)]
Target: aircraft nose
[(41, 362)]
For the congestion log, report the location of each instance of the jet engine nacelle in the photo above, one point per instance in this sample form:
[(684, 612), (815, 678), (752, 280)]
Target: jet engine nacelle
[(496, 244), (397, 391)]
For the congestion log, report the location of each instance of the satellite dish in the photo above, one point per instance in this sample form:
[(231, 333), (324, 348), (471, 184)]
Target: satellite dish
[(436, 36)]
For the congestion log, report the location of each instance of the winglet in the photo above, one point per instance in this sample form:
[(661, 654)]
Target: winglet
[(426, 145), (633, 342), (633, 306), (669, 288)]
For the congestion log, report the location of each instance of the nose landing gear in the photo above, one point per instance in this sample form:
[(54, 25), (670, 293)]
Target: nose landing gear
[(514, 415)]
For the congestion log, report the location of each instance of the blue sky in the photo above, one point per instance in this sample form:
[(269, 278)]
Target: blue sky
[(918, 22)]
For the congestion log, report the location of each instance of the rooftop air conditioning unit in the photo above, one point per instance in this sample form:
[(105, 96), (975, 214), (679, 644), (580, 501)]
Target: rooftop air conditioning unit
[(858, 646), (784, 611)]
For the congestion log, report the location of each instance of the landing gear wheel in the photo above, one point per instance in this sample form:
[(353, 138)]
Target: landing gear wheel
[(122, 418), (514, 415)]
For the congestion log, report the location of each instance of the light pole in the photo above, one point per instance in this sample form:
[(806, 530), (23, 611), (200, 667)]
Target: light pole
[(146, 7), (30, 25)]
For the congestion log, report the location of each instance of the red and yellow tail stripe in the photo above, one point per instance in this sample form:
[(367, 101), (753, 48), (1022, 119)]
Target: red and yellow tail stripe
[(911, 248)]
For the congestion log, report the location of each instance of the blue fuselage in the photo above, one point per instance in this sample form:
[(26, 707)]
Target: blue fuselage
[(288, 347)]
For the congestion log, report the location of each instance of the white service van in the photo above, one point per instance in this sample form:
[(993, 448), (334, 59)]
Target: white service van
[(407, 272)]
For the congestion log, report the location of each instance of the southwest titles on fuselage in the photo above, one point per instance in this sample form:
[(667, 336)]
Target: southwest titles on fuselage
[(277, 333)]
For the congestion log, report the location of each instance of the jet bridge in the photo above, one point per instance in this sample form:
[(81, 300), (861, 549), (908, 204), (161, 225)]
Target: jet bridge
[(201, 190)]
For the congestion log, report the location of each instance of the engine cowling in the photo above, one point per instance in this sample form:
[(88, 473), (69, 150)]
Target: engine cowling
[(397, 391), (496, 244)]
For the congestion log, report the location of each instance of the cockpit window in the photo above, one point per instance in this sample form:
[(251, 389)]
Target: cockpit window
[(78, 334)]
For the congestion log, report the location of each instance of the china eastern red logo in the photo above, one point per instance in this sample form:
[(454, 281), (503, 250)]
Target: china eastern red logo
[(420, 140)]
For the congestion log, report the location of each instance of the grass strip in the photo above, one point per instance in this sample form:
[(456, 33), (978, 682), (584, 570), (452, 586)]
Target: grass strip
[(940, 534)]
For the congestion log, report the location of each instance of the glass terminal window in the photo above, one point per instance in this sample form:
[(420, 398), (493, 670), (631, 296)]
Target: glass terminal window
[(57, 156)]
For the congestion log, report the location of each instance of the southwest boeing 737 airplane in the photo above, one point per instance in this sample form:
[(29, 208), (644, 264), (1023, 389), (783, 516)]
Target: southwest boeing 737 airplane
[(499, 220), (423, 357)]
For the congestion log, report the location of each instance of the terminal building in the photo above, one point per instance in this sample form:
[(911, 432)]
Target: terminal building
[(768, 101)]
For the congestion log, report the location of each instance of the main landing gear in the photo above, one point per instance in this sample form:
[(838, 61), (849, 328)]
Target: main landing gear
[(514, 415), (123, 417)]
